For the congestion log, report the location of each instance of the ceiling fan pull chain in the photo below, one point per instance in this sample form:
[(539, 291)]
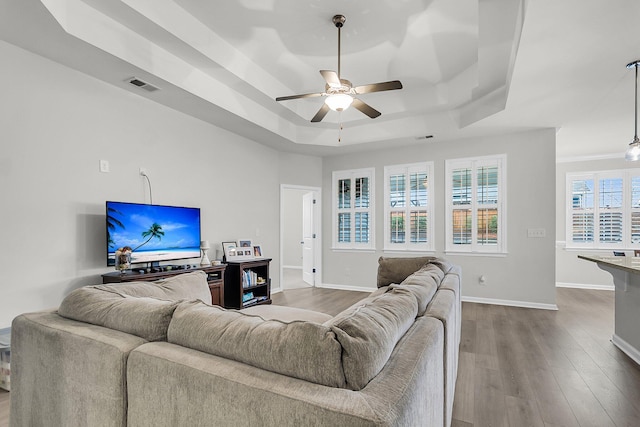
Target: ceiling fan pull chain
[(340, 133)]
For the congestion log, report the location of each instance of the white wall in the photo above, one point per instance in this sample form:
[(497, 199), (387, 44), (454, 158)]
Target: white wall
[(571, 271), (55, 126), (526, 275)]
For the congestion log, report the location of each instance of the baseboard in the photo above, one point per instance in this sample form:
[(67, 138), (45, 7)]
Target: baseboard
[(585, 286), (626, 348), (345, 287), (510, 303)]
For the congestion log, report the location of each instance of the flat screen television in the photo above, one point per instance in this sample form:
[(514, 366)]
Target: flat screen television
[(155, 233)]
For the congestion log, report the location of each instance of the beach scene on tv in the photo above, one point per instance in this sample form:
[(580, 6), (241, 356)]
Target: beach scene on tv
[(152, 232)]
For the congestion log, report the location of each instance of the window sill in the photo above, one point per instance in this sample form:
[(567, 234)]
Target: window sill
[(592, 249), (372, 250), (479, 254), (401, 251)]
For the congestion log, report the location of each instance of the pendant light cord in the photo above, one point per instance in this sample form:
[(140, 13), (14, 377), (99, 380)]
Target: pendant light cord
[(636, 109)]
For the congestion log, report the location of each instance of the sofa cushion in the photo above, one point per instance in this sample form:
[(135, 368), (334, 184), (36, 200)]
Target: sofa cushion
[(369, 332), (286, 314), (187, 286), (378, 291), (304, 350), (139, 308), (395, 270), (423, 284), (145, 317), (442, 264)]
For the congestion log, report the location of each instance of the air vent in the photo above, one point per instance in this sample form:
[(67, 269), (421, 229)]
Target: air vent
[(142, 84), (424, 137)]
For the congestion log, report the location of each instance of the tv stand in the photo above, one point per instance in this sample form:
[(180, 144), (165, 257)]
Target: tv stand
[(215, 277)]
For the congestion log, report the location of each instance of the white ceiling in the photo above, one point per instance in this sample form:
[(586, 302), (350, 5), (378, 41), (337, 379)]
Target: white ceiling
[(468, 67)]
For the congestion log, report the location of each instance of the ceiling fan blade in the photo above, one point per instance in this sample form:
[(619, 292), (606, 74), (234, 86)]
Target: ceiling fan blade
[(331, 77), (365, 108), (306, 95), (379, 87), (320, 114)]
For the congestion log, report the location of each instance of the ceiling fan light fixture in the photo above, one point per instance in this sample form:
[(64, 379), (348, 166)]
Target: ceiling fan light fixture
[(339, 101)]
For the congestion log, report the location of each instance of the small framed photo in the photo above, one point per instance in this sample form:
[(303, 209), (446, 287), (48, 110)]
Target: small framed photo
[(257, 251), (245, 243), (229, 249)]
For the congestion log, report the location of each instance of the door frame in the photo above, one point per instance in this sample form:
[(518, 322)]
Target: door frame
[(317, 221)]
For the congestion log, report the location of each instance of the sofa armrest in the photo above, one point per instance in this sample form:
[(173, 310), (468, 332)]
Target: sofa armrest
[(68, 373)]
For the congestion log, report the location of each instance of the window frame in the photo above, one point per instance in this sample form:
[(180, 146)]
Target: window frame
[(406, 170), (627, 176), (474, 163), (353, 174)]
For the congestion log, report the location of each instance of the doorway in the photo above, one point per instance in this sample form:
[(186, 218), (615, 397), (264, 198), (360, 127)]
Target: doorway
[(300, 237)]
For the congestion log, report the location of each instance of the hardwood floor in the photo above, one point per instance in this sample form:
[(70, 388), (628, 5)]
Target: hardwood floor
[(522, 367), (526, 367)]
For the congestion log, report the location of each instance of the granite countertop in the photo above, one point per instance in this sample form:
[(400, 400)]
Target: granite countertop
[(625, 263)]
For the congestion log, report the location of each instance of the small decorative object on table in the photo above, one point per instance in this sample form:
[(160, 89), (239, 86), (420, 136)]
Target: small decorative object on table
[(123, 259), (204, 247)]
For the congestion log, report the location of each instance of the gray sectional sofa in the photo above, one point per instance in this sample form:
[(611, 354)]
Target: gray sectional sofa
[(158, 354)]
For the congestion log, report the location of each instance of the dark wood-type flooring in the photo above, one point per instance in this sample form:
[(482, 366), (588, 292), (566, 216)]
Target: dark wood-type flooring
[(522, 367), (526, 367)]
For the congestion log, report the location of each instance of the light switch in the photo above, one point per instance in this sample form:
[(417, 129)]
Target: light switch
[(536, 232)]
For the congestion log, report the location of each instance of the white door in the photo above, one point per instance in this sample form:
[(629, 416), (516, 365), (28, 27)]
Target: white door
[(308, 238)]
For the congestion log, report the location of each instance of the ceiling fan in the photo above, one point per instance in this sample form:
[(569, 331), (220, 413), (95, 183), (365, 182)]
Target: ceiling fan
[(340, 92)]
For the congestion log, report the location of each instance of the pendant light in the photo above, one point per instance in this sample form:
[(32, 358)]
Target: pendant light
[(633, 152)]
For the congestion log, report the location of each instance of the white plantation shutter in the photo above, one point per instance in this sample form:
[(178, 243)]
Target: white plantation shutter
[(353, 209), (582, 217), (408, 211), (635, 209), (603, 209), (476, 204), (610, 204)]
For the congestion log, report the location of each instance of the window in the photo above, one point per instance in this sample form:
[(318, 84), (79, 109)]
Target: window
[(603, 209), (353, 209), (476, 204), (408, 223)]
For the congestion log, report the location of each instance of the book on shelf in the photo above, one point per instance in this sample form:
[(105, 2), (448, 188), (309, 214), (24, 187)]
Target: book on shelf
[(249, 302), (250, 278)]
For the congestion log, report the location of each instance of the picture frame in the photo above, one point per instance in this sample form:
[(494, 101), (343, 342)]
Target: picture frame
[(239, 254), (229, 249), (257, 251), (244, 243)]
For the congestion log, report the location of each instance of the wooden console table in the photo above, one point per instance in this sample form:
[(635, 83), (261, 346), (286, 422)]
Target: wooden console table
[(215, 278)]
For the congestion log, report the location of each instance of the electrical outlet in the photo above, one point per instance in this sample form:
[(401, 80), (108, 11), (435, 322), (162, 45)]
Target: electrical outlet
[(143, 172), (104, 166)]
